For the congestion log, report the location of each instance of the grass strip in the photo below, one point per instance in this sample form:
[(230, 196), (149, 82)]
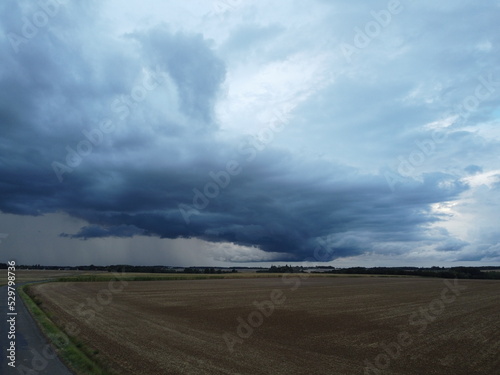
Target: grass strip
[(71, 351)]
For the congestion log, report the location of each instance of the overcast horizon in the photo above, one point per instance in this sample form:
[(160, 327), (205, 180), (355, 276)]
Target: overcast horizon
[(240, 133)]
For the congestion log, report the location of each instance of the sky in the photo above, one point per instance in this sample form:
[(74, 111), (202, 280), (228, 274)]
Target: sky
[(243, 133)]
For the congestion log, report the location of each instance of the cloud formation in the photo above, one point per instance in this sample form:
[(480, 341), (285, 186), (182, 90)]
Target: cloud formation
[(257, 133)]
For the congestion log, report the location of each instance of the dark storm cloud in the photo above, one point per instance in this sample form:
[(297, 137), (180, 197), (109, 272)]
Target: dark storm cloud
[(66, 81), (288, 209), (96, 231), (191, 63)]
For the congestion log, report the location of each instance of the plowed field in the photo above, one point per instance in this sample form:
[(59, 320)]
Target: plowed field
[(405, 326)]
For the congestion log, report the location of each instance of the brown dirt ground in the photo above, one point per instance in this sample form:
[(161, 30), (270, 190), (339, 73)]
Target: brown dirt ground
[(325, 326)]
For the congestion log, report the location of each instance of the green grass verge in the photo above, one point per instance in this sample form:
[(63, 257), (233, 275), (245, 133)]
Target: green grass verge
[(72, 352)]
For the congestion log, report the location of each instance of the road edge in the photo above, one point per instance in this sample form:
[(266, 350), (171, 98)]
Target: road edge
[(72, 353)]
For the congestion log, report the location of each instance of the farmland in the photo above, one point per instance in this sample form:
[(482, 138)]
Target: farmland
[(37, 275), (317, 325)]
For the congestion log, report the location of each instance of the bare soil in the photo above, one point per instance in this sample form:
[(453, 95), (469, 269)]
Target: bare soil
[(337, 325)]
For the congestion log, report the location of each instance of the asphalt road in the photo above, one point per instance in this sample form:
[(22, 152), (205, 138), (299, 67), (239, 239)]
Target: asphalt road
[(33, 354)]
